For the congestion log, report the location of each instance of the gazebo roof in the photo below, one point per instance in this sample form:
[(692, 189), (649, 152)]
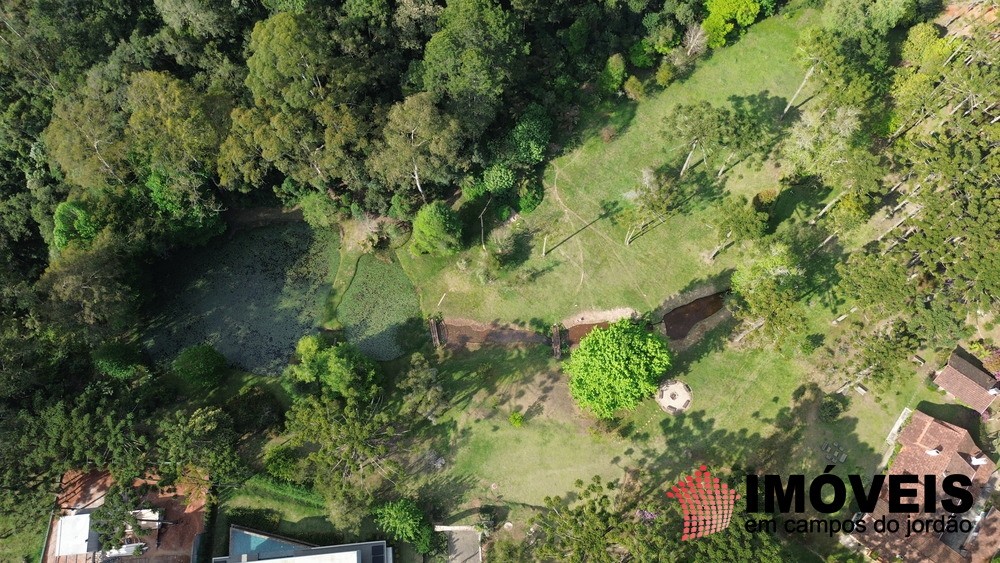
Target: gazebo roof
[(674, 396)]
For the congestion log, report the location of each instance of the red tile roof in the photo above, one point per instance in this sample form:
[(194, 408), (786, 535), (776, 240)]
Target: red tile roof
[(929, 447), (987, 542), (965, 378)]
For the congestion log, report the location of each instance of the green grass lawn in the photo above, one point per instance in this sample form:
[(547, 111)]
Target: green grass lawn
[(285, 510), (753, 410), (592, 269), (379, 311), (22, 544), (489, 461), (252, 295)]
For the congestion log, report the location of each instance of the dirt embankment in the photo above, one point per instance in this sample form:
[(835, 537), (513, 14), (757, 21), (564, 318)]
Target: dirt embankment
[(679, 322), (462, 332), (684, 319)]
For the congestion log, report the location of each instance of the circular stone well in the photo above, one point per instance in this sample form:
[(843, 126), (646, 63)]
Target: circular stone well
[(674, 396)]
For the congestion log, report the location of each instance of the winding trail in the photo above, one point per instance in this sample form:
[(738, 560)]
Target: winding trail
[(612, 244)]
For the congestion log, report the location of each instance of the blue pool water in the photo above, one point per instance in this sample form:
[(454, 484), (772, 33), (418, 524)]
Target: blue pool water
[(242, 542)]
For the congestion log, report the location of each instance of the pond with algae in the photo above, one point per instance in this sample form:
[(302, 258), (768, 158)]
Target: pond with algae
[(251, 295), (380, 311)]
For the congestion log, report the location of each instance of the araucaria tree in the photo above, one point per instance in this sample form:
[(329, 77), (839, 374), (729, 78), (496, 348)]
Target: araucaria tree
[(700, 125), (654, 200), (616, 367), (404, 521), (766, 293), (351, 434)]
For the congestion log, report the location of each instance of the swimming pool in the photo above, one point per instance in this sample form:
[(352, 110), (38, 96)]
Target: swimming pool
[(245, 542)]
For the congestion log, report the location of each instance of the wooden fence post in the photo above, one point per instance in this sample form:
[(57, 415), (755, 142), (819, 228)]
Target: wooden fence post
[(556, 342), (434, 332)]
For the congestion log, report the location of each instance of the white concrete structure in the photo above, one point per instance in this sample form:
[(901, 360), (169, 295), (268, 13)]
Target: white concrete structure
[(74, 536)]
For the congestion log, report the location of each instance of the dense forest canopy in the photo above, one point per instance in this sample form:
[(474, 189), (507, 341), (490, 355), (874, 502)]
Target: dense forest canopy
[(129, 127)]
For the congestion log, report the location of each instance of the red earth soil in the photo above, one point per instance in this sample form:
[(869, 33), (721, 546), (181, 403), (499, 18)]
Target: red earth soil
[(182, 508), (577, 332), (681, 320)]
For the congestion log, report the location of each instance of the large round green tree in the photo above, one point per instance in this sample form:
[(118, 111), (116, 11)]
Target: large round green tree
[(616, 367)]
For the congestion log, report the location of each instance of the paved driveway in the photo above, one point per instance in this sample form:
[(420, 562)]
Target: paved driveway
[(463, 546)]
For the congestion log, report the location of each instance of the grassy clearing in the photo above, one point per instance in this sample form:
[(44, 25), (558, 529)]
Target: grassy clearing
[(489, 461), (251, 295), (22, 544), (754, 409), (585, 245), (272, 507), (379, 309)]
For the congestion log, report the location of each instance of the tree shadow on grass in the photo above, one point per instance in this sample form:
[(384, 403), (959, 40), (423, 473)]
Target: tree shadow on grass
[(713, 341), (791, 445), (801, 198), (443, 492), (475, 233), (316, 530), (696, 190), (693, 192), (523, 240), (609, 210), (692, 438), (764, 111), (489, 370), (818, 262), (608, 119), (411, 335)]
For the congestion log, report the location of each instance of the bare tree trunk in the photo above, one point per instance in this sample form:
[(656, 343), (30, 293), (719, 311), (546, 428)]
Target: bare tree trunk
[(757, 324), (826, 208), (723, 167), (482, 228), (97, 151), (799, 91), (720, 248), (688, 159), (416, 179), (822, 244)]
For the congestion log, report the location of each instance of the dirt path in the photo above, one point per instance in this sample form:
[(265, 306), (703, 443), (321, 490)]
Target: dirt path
[(612, 244), (462, 332), (580, 324), (595, 317)]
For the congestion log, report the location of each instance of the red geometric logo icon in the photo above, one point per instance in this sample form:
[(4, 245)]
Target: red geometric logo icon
[(707, 504)]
